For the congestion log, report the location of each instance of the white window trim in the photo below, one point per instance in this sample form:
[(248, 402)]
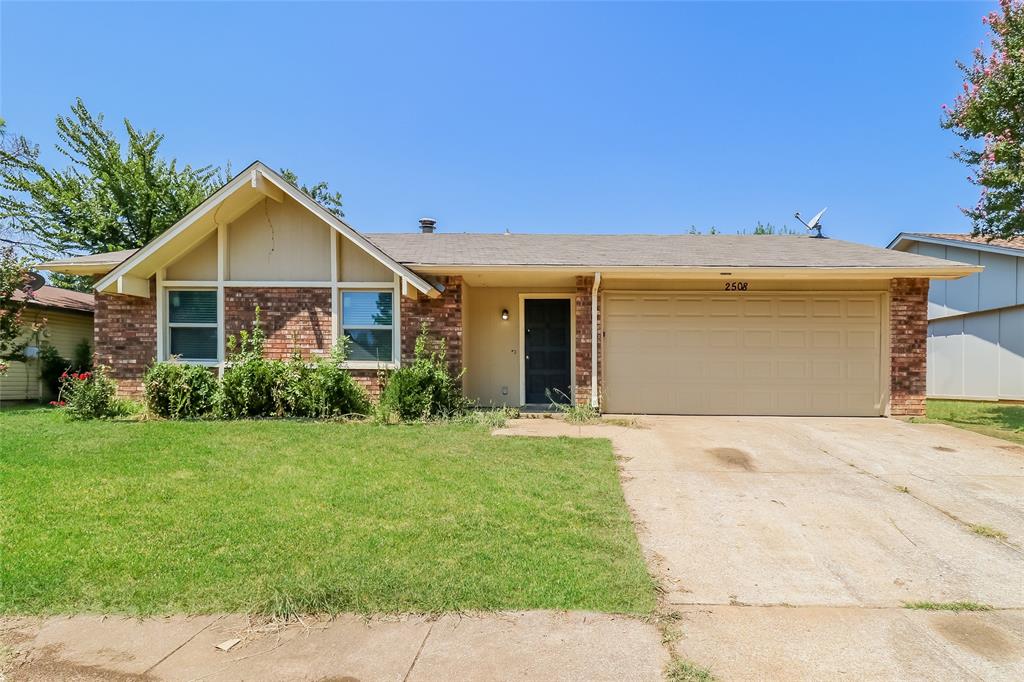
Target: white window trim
[(167, 325), (394, 326)]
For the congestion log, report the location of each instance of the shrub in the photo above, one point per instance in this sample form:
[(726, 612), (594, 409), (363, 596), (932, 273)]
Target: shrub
[(248, 386), (425, 389), (321, 389), (90, 395), (52, 366), (179, 391), (256, 387)]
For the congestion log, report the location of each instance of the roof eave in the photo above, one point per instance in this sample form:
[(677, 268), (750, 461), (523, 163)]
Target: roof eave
[(704, 272), (904, 238)]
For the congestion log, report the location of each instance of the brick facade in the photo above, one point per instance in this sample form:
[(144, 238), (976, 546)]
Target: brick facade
[(124, 337), (582, 307), (443, 316), (291, 317), (908, 345)]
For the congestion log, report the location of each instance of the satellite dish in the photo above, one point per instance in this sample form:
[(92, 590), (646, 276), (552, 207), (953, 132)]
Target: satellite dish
[(814, 224), (34, 281)]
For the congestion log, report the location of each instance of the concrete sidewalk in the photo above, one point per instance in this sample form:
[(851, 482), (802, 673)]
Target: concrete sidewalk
[(535, 645)]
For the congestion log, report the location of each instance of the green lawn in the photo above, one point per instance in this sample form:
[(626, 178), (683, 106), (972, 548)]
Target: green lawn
[(289, 516), (992, 419)]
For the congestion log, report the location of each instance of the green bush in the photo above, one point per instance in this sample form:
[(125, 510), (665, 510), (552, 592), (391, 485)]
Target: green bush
[(90, 395), (321, 389), (425, 389), (248, 386), (52, 366), (175, 390), (256, 387)]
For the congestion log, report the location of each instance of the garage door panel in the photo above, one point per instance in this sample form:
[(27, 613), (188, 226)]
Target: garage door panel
[(765, 354)]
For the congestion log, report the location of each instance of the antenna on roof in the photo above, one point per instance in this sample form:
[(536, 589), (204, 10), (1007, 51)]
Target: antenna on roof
[(815, 223)]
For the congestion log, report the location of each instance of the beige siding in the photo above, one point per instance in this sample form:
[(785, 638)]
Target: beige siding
[(64, 331), (492, 357), (279, 242), (198, 264), (355, 265)]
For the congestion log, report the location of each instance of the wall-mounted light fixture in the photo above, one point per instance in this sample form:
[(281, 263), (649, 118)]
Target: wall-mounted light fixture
[(504, 314)]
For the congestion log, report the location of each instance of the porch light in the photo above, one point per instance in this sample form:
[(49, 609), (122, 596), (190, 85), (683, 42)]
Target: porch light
[(504, 314)]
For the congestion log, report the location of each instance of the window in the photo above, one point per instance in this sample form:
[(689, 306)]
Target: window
[(192, 325), (367, 321)]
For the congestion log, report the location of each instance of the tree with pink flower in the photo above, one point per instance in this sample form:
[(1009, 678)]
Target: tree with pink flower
[(989, 114)]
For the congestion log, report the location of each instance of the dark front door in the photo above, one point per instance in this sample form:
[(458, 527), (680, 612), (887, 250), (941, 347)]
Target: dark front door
[(548, 352)]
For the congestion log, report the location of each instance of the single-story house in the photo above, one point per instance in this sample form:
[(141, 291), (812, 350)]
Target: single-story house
[(975, 324), (68, 316), (675, 324)]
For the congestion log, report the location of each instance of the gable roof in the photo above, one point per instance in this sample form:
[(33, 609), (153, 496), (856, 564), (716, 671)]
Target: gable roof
[(188, 231), (48, 296), (1013, 246), (651, 251)]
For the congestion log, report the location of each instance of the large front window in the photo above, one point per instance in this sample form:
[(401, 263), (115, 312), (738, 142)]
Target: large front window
[(192, 325), (367, 321)]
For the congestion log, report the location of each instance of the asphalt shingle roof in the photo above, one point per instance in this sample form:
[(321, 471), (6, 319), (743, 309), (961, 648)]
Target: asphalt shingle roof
[(645, 250), (1012, 243), (47, 296)]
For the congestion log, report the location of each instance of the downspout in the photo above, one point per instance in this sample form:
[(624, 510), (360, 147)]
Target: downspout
[(593, 338)]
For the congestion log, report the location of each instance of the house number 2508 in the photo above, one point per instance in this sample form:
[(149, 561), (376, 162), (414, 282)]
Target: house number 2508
[(736, 286)]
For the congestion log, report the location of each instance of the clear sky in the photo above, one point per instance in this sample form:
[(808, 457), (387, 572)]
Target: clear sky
[(569, 117)]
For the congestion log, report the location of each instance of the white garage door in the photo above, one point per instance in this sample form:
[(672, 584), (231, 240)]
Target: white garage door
[(743, 353)]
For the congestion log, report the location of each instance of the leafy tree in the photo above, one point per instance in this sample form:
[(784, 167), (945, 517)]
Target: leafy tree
[(991, 110), (110, 197), (319, 192), (13, 278)]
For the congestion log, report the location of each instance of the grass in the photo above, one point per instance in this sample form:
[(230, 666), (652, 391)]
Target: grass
[(987, 531), (680, 670), (992, 419), (285, 517), (956, 606)]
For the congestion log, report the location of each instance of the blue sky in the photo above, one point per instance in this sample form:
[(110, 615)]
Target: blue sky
[(567, 117)]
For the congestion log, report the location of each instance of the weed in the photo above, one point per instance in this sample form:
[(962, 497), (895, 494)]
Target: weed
[(987, 531), (680, 670), (947, 606), (902, 489), (574, 414)]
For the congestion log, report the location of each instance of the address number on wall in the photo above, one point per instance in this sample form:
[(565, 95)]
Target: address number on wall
[(736, 286)]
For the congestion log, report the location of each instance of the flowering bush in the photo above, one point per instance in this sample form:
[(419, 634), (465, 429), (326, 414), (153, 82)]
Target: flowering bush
[(179, 391), (989, 110), (89, 395)]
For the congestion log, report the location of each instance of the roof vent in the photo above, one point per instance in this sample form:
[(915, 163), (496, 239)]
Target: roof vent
[(427, 225)]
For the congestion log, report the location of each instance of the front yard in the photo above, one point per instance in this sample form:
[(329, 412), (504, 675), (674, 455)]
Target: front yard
[(1000, 420), (293, 516)]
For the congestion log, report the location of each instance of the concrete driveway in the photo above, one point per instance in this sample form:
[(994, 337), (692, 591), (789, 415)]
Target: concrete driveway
[(789, 546)]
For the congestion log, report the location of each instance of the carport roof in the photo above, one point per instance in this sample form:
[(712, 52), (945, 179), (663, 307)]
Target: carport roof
[(649, 251)]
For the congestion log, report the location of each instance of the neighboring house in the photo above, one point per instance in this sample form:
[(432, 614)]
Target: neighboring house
[(684, 324), (68, 316), (975, 324)]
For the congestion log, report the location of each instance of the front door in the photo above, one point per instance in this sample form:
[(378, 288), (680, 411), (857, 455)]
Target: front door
[(548, 351)]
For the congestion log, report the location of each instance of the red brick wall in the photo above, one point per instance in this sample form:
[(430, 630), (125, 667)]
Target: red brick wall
[(124, 335), (291, 317), (584, 339), (908, 345), (443, 316)]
